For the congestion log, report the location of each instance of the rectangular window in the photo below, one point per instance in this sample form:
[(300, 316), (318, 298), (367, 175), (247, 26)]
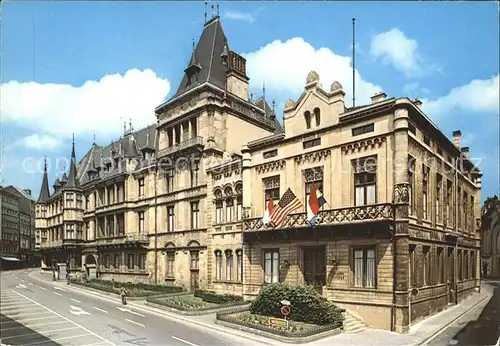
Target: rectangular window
[(271, 266), (229, 209), (171, 218), (218, 211), (411, 181), (460, 265), (269, 154), (440, 256), (412, 128), (440, 151), (169, 180), (426, 265), (239, 208), (465, 202), (459, 195), (142, 262), (141, 187), (472, 226), (363, 129), (271, 189), (311, 143), (439, 184), (239, 265), (466, 264), (195, 215), (229, 265), (195, 260), (364, 268), (170, 265), (141, 221), (87, 202), (111, 196), (427, 141), (473, 260), (117, 261), (425, 191), (312, 177), (218, 265), (131, 261), (449, 190), (365, 177), (195, 169)]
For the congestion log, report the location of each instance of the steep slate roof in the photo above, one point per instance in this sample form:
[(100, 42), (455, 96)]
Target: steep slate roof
[(262, 104), (207, 56), (72, 177), (127, 146), (44, 191)]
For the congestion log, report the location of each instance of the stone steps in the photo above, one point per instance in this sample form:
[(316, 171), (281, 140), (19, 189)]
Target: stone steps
[(352, 324)]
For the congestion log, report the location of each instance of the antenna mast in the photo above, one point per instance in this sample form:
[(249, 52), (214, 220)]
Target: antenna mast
[(354, 62)]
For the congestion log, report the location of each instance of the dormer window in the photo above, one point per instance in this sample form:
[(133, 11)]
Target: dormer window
[(317, 116), (307, 116)]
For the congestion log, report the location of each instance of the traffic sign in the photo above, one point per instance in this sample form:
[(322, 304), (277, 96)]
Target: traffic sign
[(285, 310)]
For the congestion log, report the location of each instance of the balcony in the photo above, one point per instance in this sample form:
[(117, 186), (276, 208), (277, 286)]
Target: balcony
[(51, 244), (124, 239), (189, 143), (331, 217)]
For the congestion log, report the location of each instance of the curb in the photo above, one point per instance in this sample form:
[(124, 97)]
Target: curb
[(170, 316), (440, 330)]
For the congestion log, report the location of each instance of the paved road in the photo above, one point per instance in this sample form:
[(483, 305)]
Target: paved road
[(480, 327), (41, 313)]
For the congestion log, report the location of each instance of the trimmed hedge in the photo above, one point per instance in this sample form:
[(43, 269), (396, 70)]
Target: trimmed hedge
[(212, 297), (307, 305), (145, 288)]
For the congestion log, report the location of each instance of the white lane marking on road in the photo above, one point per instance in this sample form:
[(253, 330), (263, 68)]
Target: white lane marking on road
[(101, 310), (75, 310), (134, 322), (184, 341), (17, 305), (57, 339), (130, 311), (43, 288), (21, 286), (59, 294), (37, 333), (31, 284), (22, 280), (28, 314), (33, 325), (76, 300), (67, 319), (59, 289), (28, 319)]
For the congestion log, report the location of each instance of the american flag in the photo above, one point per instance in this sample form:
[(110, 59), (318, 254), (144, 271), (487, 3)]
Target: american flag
[(288, 203)]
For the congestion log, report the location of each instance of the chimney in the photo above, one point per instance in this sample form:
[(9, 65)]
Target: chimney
[(417, 103), (379, 97), (457, 135), (465, 152), (27, 191)]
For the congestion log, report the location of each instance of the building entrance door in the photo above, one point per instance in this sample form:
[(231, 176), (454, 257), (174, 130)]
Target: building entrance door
[(315, 267), (195, 275), (451, 276)]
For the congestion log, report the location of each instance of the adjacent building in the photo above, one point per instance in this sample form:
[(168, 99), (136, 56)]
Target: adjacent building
[(182, 201), (18, 227), (490, 238)]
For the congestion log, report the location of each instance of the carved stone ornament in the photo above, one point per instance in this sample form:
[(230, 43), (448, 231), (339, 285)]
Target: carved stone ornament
[(246, 212), (289, 103), (271, 183), (312, 157), (312, 77), (369, 143), (271, 166), (313, 174), (336, 86), (402, 193)]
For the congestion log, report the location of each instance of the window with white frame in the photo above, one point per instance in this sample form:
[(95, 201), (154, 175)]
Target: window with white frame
[(271, 266), (169, 180), (195, 259), (140, 215), (364, 267), (365, 180), (141, 187), (425, 191), (195, 215), (271, 189), (229, 265), (239, 265), (218, 265), (439, 184), (170, 218), (312, 177), (228, 191)]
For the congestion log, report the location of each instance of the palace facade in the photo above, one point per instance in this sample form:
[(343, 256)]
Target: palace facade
[(181, 202)]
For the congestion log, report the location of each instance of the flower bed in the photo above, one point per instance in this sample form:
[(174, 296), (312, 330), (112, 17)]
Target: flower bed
[(199, 301), (134, 289)]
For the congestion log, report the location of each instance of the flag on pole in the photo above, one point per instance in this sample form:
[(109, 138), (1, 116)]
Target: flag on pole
[(268, 211), (314, 204), (288, 203)]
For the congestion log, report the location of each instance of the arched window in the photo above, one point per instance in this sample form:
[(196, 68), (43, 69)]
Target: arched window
[(218, 206), (218, 265), (229, 265), (307, 116), (317, 116), (228, 191)]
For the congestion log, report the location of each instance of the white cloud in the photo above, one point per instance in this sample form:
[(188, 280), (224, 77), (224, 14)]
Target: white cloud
[(241, 16), (479, 96), (283, 67), (103, 106), (40, 142), (394, 48)]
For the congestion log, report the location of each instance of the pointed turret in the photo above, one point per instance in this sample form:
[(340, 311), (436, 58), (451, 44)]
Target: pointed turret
[(72, 178), (44, 191)]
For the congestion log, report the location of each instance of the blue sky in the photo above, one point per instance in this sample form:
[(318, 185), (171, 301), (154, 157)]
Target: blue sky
[(85, 67)]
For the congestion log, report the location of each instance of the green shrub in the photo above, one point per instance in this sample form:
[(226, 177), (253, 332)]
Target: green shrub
[(215, 298), (307, 305), (107, 285)]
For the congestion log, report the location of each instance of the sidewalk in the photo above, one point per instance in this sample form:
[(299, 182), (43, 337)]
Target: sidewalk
[(418, 334)]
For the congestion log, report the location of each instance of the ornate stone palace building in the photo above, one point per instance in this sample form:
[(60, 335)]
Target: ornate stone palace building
[(182, 201)]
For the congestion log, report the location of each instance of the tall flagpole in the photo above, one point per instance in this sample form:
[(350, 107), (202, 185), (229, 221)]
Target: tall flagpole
[(354, 62)]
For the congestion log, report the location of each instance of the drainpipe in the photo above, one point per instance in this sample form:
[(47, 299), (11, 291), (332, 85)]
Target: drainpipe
[(156, 222)]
